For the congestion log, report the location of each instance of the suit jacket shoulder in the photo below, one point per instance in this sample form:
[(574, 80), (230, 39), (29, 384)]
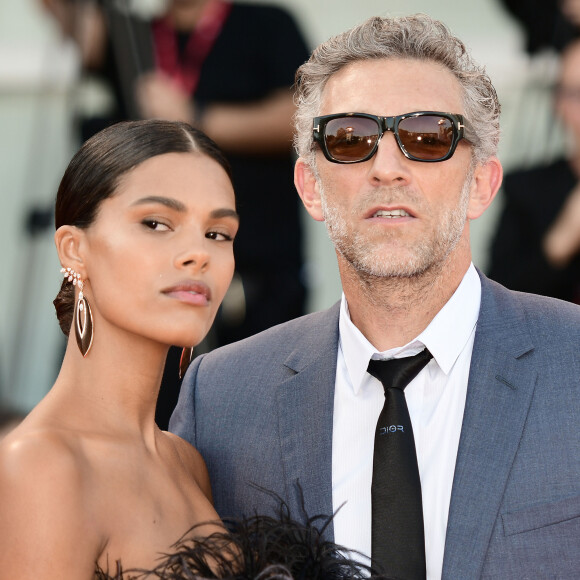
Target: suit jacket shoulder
[(515, 503), (533, 319), (260, 413), (295, 344)]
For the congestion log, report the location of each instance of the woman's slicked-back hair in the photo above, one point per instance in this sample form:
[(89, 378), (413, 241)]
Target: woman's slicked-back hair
[(96, 170), (417, 37)]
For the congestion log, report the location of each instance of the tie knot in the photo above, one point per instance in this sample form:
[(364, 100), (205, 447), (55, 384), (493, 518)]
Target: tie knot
[(397, 373)]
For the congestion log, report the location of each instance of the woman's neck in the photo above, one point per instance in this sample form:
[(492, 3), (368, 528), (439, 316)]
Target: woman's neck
[(114, 385)]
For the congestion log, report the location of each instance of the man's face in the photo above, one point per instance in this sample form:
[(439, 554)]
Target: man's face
[(391, 216)]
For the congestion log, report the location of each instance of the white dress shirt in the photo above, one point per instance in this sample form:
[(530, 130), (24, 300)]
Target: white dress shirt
[(436, 401)]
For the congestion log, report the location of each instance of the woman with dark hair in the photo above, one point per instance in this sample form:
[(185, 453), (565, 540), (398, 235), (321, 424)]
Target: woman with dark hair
[(145, 217)]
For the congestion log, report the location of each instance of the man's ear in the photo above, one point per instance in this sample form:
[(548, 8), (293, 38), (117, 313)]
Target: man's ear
[(308, 189), (484, 187), (69, 245)]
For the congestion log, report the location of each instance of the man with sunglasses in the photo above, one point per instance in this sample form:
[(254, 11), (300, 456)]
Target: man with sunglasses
[(397, 132)]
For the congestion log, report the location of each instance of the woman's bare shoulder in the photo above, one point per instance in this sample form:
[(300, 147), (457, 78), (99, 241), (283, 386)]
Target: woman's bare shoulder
[(44, 521), (37, 451), (186, 450), (40, 467), (191, 459)]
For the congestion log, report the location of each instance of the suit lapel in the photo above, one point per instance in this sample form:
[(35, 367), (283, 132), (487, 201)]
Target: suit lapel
[(501, 383), (305, 407)]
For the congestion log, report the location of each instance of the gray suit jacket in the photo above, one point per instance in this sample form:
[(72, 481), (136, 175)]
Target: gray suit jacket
[(260, 411)]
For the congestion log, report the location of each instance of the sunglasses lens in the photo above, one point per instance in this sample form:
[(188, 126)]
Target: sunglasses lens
[(351, 138), (427, 137)]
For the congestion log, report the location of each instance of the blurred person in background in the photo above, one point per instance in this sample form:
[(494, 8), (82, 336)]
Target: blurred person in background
[(547, 24), (571, 11), (227, 68), (537, 244)]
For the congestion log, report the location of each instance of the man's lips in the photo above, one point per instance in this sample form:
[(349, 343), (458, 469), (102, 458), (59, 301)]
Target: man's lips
[(389, 213), (196, 293)]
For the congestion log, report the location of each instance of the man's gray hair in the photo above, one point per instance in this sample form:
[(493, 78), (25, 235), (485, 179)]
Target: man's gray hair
[(409, 37)]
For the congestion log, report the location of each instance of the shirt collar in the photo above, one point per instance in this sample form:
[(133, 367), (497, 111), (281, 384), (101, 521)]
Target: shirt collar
[(445, 336)]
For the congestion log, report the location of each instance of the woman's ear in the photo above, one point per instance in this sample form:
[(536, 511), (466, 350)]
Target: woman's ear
[(484, 187), (69, 242), (308, 189)]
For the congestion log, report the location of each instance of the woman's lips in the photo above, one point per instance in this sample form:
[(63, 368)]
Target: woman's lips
[(195, 293)]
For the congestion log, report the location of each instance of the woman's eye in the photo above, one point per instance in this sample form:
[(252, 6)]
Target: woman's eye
[(156, 225), (219, 236)]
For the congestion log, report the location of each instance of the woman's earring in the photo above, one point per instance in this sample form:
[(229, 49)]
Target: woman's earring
[(186, 356), (83, 317)]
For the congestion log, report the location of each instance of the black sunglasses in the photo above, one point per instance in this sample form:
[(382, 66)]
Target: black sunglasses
[(421, 136)]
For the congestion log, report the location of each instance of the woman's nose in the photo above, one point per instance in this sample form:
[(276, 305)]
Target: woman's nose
[(195, 257)]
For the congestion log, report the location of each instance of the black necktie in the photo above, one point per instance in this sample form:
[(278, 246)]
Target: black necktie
[(398, 537)]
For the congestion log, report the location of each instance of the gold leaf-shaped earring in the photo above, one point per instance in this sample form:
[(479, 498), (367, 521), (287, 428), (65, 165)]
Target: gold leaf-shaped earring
[(83, 322), (186, 356)]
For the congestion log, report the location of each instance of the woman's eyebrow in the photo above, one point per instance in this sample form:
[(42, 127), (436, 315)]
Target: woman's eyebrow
[(177, 205), (166, 201), (224, 213)]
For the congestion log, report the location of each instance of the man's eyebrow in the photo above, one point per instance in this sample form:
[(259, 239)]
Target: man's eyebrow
[(166, 201)]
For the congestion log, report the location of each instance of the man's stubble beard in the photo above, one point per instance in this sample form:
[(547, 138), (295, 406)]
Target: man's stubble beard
[(368, 258)]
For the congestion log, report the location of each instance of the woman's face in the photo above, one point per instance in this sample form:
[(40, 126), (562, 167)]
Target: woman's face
[(159, 255)]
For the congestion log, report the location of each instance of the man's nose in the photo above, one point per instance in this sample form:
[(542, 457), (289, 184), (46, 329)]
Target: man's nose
[(389, 165)]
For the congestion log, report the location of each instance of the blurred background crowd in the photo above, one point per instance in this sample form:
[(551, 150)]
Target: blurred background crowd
[(70, 67)]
